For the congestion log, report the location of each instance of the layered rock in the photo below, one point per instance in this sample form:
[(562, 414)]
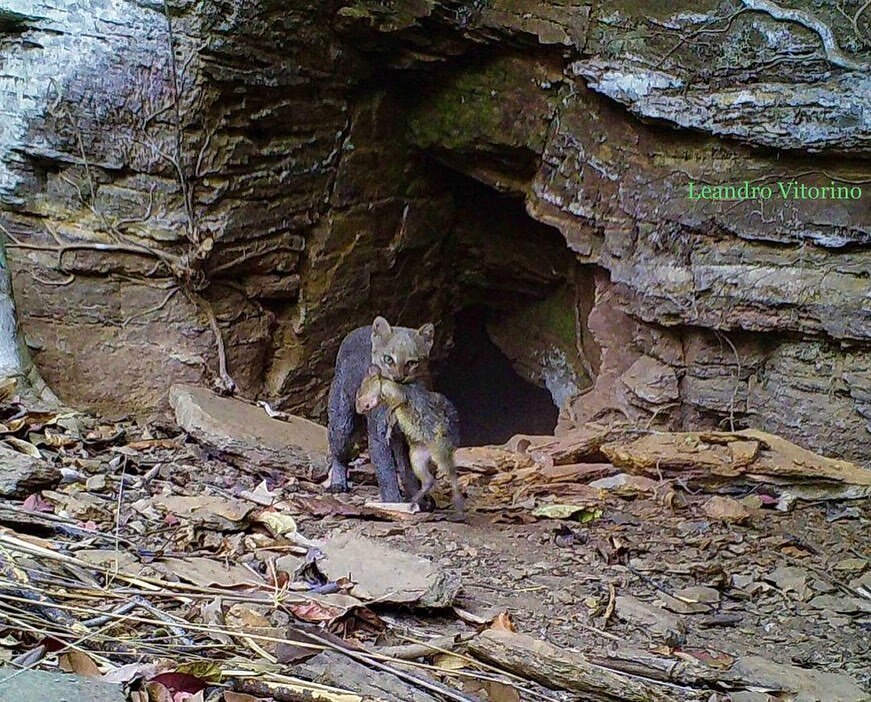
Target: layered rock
[(298, 167)]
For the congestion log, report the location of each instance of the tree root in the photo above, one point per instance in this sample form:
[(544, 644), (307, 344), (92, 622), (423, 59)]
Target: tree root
[(805, 19)]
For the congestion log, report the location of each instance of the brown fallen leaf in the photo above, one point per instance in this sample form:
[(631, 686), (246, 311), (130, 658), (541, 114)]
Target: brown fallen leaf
[(502, 622), (146, 444), (157, 692), (710, 657), (314, 612), (230, 696), (78, 662), (207, 572), (289, 650), (57, 440), (8, 386), (210, 511), (247, 619), (449, 661)]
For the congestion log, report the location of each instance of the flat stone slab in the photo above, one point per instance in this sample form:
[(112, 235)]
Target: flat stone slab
[(21, 474), (807, 685), (37, 685), (385, 574), (246, 434)]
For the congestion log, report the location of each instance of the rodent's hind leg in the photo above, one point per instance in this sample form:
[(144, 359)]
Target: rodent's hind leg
[(420, 464)]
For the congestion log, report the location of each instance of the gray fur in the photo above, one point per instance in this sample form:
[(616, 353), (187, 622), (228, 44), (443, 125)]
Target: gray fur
[(355, 355)]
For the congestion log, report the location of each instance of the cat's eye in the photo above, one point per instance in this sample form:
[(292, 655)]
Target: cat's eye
[(412, 365), (388, 360)]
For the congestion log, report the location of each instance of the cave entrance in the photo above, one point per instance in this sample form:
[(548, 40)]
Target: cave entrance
[(515, 315), (494, 401)]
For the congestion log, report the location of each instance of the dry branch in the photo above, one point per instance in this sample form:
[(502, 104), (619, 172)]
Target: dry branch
[(555, 667)]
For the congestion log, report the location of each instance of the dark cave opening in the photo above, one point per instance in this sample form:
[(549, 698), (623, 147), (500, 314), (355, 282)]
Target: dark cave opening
[(494, 402)]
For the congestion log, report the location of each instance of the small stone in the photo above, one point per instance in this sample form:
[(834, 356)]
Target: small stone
[(564, 597), (96, 483), (726, 509), (851, 565)]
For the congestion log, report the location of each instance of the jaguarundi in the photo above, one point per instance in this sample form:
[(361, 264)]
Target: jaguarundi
[(401, 354)]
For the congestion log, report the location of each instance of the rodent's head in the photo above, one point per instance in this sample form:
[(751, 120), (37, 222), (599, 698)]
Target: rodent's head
[(369, 394), (400, 353)]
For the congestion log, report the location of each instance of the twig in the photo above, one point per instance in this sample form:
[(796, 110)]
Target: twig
[(173, 290), (408, 652), (737, 379), (361, 657), (179, 136)]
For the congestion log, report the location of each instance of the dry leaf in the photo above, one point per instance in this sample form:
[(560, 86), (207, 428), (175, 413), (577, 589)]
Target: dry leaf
[(207, 510), (179, 682), (502, 622), (261, 494), (579, 513), (23, 446), (213, 616), (7, 388), (230, 696), (130, 672), (210, 671), (157, 692), (78, 662), (314, 612), (278, 523), (207, 572), (146, 444), (500, 692), (289, 650), (448, 661)]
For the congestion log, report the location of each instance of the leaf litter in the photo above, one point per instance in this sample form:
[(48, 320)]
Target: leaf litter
[(603, 564)]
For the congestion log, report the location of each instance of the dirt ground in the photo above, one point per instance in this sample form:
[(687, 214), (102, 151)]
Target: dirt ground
[(559, 590), (651, 572)]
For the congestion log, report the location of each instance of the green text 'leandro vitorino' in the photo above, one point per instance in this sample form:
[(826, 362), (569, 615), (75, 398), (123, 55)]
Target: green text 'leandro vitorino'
[(782, 190)]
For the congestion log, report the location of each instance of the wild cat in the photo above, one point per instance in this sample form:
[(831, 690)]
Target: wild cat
[(401, 354)]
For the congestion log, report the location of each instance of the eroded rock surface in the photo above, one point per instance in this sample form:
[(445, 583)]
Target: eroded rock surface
[(301, 166)]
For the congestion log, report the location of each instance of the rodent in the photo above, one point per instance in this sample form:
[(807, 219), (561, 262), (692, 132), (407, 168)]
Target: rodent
[(429, 423)]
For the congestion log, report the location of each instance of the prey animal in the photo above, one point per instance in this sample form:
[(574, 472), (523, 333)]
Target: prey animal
[(429, 423)]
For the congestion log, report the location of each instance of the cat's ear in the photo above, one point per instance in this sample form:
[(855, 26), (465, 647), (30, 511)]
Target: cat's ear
[(380, 328), (426, 335)]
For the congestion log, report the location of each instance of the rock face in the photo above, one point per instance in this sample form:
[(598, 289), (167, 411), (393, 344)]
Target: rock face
[(291, 169)]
